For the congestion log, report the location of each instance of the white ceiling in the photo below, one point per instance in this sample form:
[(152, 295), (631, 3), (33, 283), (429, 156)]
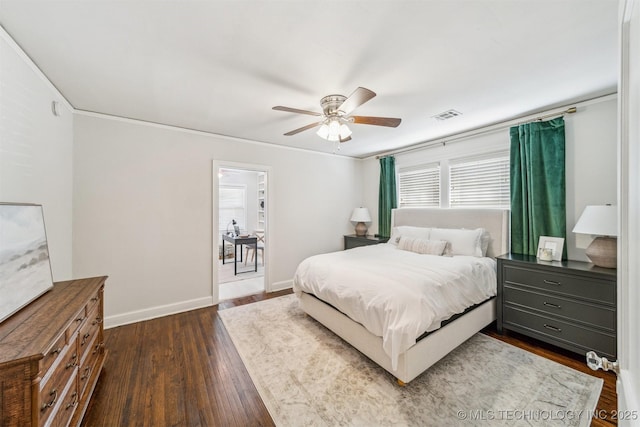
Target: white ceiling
[(219, 66)]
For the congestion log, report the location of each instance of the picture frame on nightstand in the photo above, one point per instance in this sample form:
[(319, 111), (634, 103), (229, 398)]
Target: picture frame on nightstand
[(548, 244)]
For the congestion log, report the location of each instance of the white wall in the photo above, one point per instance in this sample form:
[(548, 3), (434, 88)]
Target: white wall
[(36, 150), (143, 207), (591, 164)]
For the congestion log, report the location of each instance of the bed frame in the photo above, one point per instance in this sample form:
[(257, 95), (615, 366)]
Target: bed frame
[(437, 344)]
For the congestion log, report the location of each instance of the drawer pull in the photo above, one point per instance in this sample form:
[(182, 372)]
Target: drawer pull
[(96, 348), (85, 337), (87, 372), (75, 401), (97, 321), (79, 319), (53, 393), (74, 361), (548, 304), (55, 351), (552, 282), (94, 299), (553, 328)]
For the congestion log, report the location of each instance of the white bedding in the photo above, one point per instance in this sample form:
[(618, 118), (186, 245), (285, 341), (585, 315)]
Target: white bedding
[(395, 294)]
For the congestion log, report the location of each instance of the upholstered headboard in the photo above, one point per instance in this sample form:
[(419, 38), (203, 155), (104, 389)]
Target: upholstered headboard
[(495, 221)]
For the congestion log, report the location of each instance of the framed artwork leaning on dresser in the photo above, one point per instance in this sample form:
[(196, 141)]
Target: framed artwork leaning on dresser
[(25, 270)]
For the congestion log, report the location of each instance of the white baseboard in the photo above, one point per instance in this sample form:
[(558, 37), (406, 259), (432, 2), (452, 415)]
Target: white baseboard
[(155, 312), (279, 286)]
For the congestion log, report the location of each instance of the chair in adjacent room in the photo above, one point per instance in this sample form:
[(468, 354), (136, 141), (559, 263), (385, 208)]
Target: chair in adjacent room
[(258, 247)]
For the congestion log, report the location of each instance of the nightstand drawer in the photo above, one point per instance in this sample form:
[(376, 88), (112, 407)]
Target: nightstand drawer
[(561, 333), (575, 286), (589, 314)]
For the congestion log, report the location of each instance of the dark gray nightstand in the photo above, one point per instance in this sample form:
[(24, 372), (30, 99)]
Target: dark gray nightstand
[(353, 241), (570, 304)]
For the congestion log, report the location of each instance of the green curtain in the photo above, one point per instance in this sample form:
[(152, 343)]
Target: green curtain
[(538, 203), (387, 199)]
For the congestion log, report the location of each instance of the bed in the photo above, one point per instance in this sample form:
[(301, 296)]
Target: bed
[(403, 348)]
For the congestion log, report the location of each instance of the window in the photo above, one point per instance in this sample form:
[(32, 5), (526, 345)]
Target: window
[(232, 205), (480, 182), (419, 187)]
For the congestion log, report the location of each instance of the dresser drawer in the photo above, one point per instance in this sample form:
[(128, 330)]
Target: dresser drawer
[(559, 332), (62, 412), (53, 388), (53, 355), (88, 332), (576, 286), (589, 314), (93, 301)]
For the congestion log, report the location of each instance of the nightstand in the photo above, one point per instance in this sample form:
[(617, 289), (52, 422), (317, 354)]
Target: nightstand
[(353, 241), (570, 304)]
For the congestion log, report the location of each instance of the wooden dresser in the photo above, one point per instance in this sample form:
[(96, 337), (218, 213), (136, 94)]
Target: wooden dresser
[(51, 355)]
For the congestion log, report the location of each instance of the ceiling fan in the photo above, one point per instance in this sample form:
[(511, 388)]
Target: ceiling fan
[(335, 116)]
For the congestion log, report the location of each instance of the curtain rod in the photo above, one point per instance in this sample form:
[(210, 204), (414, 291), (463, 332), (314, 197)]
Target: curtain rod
[(492, 128), (480, 131)]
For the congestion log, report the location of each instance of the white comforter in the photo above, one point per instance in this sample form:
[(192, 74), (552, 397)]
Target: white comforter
[(397, 295)]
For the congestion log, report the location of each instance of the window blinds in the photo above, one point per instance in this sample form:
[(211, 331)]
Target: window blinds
[(232, 205), (419, 188), (480, 182)]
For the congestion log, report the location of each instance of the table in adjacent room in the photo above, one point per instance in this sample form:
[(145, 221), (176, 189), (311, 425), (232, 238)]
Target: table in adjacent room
[(239, 241)]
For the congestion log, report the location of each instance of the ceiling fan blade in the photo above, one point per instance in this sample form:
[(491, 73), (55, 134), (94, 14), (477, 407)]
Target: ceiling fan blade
[(302, 129), (378, 121), (345, 139), (295, 110), (356, 99)]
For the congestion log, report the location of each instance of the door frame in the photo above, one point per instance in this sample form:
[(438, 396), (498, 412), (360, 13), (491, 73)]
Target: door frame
[(628, 383), (223, 164)]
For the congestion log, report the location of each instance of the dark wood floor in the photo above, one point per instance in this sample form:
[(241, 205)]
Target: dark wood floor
[(183, 370)]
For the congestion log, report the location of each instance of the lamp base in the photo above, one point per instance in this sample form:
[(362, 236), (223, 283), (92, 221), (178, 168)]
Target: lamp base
[(603, 252), (361, 229)]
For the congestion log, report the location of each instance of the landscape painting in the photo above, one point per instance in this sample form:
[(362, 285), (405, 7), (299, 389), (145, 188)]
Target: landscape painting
[(25, 271)]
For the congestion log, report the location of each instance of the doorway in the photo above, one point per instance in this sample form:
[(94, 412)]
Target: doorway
[(240, 230)]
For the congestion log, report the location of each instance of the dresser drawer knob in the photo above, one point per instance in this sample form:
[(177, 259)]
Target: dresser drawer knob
[(553, 328), (552, 282), (53, 393), (55, 351), (74, 361), (85, 338), (97, 321), (87, 372), (548, 304), (75, 400)]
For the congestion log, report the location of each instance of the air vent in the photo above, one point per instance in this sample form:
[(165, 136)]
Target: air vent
[(447, 115)]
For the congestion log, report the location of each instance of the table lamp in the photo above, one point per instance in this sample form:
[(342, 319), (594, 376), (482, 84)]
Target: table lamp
[(361, 215), (601, 221)]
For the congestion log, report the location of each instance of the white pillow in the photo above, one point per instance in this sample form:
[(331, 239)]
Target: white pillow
[(484, 241), (409, 231), (461, 241), (422, 246)]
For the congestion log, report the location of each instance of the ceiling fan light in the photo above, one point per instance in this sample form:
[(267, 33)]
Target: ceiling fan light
[(345, 132), (323, 132), (334, 130)]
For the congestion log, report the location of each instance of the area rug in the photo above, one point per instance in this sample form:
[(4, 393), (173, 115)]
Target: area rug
[(307, 376)]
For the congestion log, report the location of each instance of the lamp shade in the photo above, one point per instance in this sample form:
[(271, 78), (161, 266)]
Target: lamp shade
[(598, 220), (361, 215)]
